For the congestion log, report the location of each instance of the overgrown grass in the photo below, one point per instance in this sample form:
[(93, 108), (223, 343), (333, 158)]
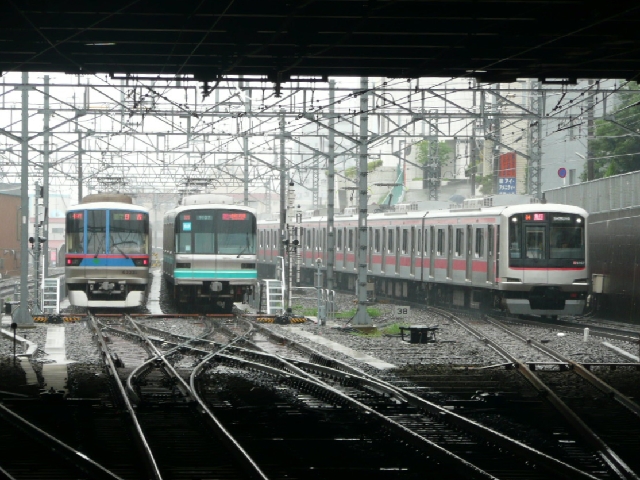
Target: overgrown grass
[(305, 311), (373, 313), (393, 329), (379, 332)]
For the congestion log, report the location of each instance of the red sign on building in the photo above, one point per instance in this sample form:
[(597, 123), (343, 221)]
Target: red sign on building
[(507, 165)]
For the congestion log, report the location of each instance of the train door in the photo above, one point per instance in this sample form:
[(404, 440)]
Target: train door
[(412, 251), (491, 255), (432, 252), (449, 252), (469, 253)]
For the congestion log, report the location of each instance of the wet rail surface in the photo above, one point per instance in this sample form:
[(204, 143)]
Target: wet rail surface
[(592, 413), (292, 419), (296, 400)]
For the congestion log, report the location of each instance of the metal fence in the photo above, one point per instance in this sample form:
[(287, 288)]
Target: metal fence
[(602, 195)]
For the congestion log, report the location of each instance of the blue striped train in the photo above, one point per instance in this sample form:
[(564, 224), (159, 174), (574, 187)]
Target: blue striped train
[(108, 246)]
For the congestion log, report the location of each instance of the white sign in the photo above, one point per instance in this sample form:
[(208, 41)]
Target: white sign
[(402, 312), (51, 295)]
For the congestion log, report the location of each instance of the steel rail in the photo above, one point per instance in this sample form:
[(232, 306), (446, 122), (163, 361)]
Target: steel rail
[(552, 464), (602, 386), (617, 465), (151, 461), (241, 454), (466, 468), (76, 457)]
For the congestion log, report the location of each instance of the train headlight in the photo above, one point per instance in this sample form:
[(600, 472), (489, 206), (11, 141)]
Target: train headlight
[(73, 262), (141, 262)]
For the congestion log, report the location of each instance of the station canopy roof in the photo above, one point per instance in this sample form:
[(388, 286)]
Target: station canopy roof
[(492, 40)]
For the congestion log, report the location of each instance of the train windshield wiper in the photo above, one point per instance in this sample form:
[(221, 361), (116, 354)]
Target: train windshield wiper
[(115, 245), (98, 249), (245, 248)]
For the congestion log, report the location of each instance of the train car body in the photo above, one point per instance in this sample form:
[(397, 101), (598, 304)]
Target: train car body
[(107, 252), (209, 252), (527, 259)]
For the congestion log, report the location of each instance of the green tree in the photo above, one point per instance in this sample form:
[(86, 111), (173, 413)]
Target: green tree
[(616, 146), (444, 152), (371, 166)]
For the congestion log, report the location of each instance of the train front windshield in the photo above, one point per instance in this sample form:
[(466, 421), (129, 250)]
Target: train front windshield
[(125, 232), (546, 239), (224, 232)]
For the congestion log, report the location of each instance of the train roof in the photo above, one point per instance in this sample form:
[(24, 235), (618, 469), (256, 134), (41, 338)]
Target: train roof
[(207, 206), (456, 212), (108, 206)]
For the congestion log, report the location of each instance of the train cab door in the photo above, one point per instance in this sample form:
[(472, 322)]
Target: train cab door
[(491, 255), (469, 253), (449, 252)]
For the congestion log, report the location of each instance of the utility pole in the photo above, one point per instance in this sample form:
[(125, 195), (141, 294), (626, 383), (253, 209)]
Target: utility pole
[(245, 141), (22, 316), (283, 187), (590, 133), (36, 246), (79, 166), (362, 316), (45, 178), (331, 238)]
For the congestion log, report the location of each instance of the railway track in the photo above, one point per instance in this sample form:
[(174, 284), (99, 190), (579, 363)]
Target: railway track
[(238, 395), (604, 420)]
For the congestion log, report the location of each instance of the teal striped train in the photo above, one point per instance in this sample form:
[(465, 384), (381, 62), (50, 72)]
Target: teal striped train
[(209, 253)]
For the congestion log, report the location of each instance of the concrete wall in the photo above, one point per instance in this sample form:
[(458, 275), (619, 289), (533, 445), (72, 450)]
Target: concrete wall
[(9, 242)]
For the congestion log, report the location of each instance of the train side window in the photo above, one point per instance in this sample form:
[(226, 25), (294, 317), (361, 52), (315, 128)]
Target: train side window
[(390, 241), (459, 241), (405, 241), (432, 239), (350, 246), (426, 241), (479, 242), (419, 241), (376, 241), (260, 238), (440, 248), (339, 239), (308, 236)]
